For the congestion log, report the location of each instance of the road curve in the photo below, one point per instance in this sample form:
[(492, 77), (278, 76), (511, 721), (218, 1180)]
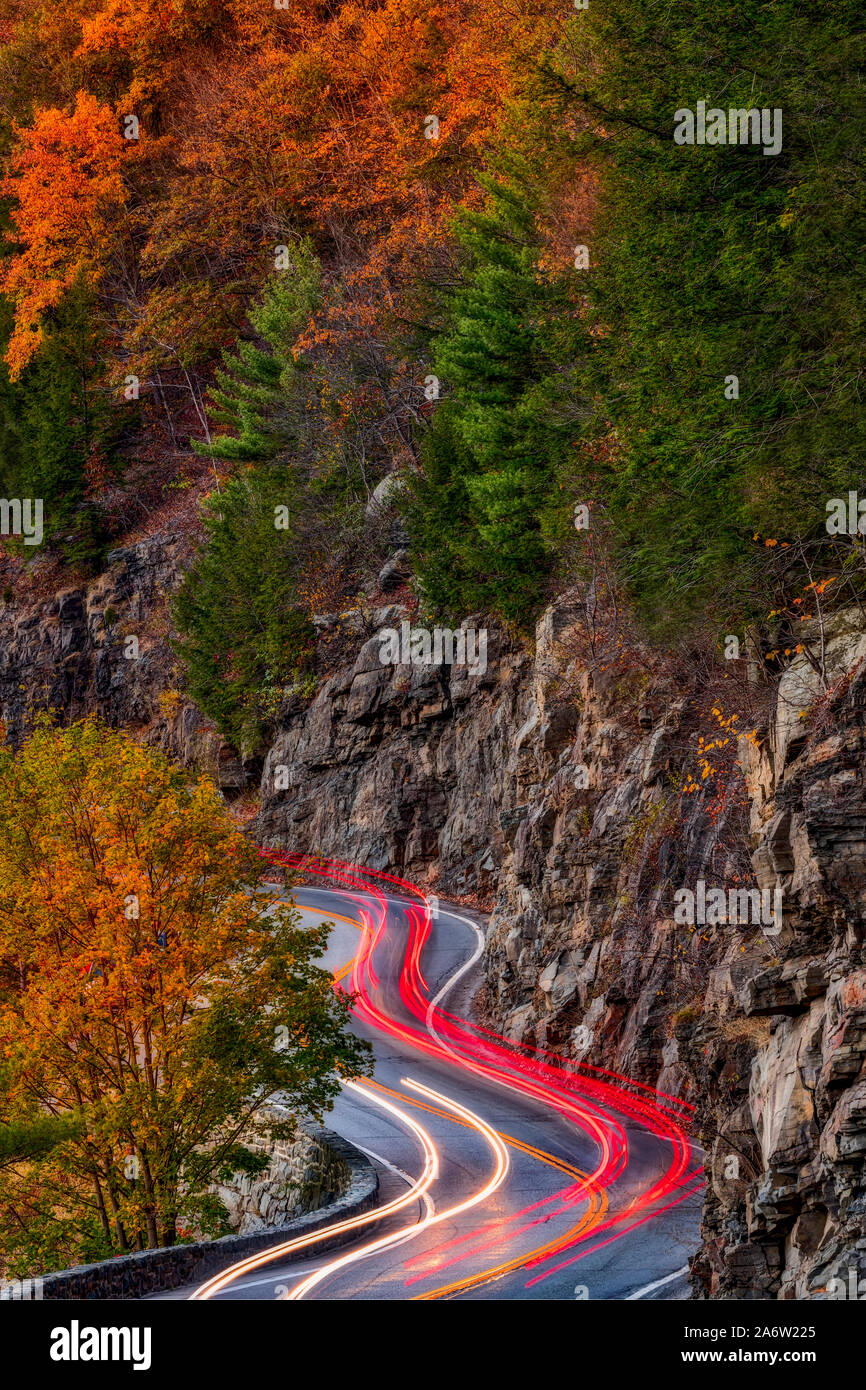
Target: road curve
[(504, 1173)]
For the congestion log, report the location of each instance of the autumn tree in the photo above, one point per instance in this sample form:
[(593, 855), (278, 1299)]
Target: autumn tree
[(359, 123), (148, 988), (65, 179)]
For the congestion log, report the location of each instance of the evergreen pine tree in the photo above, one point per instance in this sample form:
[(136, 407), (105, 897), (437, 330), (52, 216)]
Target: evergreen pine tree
[(244, 638), (717, 261), (54, 420), (477, 511), (256, 385)]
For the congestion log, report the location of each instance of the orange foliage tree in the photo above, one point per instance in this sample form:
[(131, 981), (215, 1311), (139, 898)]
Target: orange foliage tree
[(256, 124), (147, 989), (66, 182)]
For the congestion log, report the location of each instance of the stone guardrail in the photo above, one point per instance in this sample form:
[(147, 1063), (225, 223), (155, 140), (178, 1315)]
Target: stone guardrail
[(155, 1271)]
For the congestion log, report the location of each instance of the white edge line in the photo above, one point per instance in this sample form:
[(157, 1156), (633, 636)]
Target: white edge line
[(648, 1288), (279, 1278)]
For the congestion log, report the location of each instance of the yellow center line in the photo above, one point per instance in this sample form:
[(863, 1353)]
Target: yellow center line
[(328, 916), (343, 970), (597, 1209), (598, 1198)]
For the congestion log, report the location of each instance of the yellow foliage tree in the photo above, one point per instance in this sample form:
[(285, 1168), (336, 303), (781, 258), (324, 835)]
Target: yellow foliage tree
[(150, 989)]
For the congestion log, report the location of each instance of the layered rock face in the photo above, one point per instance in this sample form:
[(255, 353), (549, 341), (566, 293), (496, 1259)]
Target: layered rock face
[(562, 788), (401, 767), (795, 1221), (102, 647)]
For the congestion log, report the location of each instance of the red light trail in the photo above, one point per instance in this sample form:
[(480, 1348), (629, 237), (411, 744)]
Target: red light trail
[(591, 1098)]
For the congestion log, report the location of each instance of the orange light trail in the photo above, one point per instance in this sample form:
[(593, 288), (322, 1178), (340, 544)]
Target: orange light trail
[(299, 1243), (598, 1206)]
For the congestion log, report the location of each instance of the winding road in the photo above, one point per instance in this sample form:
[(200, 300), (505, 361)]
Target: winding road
[(504, 1173)]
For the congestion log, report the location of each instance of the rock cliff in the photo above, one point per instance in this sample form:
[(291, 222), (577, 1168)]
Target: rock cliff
[(572, 797)]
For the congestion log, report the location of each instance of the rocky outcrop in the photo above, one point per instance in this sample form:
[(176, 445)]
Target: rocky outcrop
[(103, 647), (802, 1222), (400, 767)]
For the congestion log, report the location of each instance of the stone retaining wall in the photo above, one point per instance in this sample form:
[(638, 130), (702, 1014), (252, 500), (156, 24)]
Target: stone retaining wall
[(304, 1174), (155, 1271)]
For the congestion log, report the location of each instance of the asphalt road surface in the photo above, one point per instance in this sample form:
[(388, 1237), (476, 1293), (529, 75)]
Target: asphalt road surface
[(541, 1185)]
